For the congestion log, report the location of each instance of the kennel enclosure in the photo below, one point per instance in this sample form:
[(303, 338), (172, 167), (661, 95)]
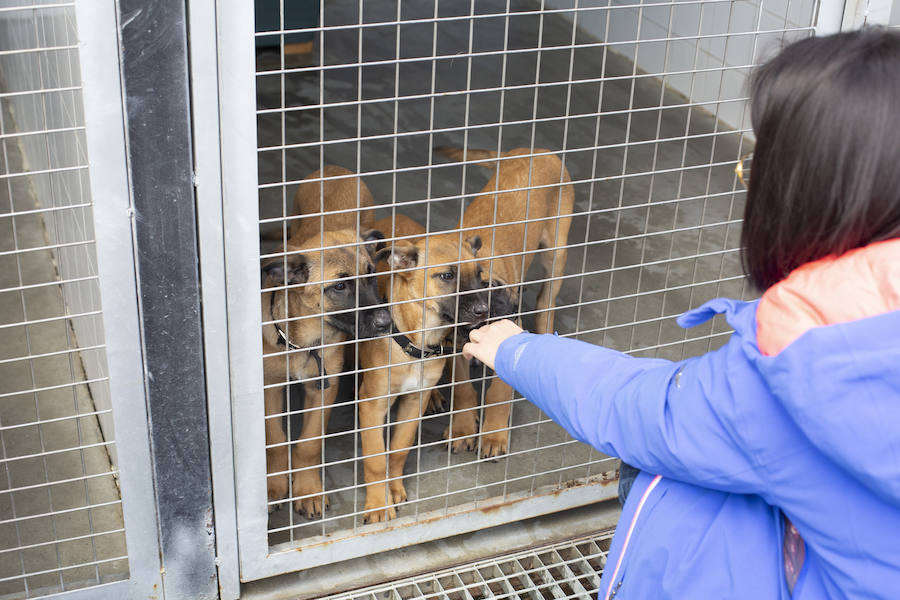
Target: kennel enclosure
[(645, 106), (151, 151)]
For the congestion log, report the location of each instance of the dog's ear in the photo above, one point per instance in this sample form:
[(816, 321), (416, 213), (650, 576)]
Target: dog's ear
[(403, 255), (285, 270), (475, 243), (373, 238)]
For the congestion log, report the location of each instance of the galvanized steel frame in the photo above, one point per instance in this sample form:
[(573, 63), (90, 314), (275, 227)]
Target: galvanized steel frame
[(240, 246), (208, 130), (114, 217), (241, 221)]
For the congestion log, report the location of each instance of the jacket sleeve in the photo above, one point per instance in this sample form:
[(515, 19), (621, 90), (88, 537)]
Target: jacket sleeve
[(667, 418)]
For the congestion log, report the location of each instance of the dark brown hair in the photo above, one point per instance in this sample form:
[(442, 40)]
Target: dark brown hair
[(826, 166)]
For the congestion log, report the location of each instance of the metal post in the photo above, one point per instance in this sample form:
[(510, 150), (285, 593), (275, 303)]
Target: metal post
[(157, 102), (211, 235), (831, 13), (858, 13)]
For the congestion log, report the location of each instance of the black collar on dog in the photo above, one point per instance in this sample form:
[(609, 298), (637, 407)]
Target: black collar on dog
[(414, 350), (283, 340)]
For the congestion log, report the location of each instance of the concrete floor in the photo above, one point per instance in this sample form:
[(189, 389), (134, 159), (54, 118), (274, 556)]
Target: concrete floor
[(50, 484), (638, 248)]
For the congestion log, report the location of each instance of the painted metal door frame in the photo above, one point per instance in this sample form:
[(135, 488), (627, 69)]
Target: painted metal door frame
[(228, 224), (857, 13), (153, 58), (208, 133), (140, 132), (847, 15), (113, 219), (237, 88)]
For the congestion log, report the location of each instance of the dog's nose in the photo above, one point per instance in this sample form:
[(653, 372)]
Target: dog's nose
[(382, 320), (480, 310)]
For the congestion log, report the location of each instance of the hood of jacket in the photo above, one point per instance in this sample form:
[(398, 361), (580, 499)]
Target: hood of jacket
[(861, 283), (839, 383)]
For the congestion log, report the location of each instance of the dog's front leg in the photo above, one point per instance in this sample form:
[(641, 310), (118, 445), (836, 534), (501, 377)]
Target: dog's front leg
[(307, 454), (372, 416), (276, 446), (410, 409), (554, 237), (463, 428), (495, 427)]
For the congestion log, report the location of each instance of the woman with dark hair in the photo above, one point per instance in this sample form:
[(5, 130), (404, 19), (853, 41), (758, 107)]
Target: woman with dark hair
[(769, 468)]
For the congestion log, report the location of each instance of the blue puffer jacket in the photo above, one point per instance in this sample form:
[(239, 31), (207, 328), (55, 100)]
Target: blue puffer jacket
[(738, 438)]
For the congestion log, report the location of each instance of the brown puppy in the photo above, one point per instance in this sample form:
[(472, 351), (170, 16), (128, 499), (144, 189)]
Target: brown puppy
[(512, 225), (434, 283), (319, 300)]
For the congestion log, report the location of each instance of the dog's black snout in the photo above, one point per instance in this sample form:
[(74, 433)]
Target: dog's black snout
[(381, 320), (480, 310)]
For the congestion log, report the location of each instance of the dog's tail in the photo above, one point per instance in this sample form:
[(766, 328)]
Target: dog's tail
[(482, 158)]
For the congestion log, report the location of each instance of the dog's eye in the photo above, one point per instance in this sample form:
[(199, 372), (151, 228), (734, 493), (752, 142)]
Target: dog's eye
[(447, 276), (340, 286)]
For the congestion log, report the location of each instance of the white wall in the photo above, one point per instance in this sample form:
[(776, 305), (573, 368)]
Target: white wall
[(702, 49)]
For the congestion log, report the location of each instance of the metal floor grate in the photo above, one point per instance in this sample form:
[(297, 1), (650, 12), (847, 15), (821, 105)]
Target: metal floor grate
[(565, 570)]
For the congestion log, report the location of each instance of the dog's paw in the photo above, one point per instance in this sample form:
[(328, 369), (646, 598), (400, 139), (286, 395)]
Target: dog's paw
[(379, 503), (313, 507), (276, 488), (435, 402), (379, 515), (307, 489), (398, 492), (494, 444), (463, 432), (457, 444)]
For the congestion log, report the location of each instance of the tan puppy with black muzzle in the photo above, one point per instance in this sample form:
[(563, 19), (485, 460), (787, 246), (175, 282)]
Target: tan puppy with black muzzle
[(523, 208), (321, 294), (432, 283)]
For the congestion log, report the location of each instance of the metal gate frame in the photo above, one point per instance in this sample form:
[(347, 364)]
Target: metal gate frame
[(113, 216), (237, 89), (223, 76)]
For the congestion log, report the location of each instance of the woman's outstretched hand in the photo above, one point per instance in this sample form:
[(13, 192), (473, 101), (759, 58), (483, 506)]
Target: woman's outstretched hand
[(485, 341)]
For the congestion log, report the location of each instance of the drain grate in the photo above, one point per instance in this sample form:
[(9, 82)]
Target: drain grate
[(565, 570)]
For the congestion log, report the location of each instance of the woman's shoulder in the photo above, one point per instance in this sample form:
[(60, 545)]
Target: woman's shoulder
[(861, 283)]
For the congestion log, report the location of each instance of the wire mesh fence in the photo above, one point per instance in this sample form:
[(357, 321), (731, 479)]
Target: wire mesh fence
[(61, 522), (590, 146)]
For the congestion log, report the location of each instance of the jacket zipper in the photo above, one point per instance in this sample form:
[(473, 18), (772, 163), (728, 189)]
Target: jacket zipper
[(637, 512)]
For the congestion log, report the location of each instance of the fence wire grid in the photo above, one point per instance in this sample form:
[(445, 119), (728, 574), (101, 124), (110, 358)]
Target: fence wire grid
[(61, 524), (641, 104)]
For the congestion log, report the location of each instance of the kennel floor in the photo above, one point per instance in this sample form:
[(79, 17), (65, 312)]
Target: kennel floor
[(655, 233), (61, 522)]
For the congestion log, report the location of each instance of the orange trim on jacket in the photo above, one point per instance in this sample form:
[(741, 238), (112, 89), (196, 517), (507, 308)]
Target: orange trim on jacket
[(861, 283)]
